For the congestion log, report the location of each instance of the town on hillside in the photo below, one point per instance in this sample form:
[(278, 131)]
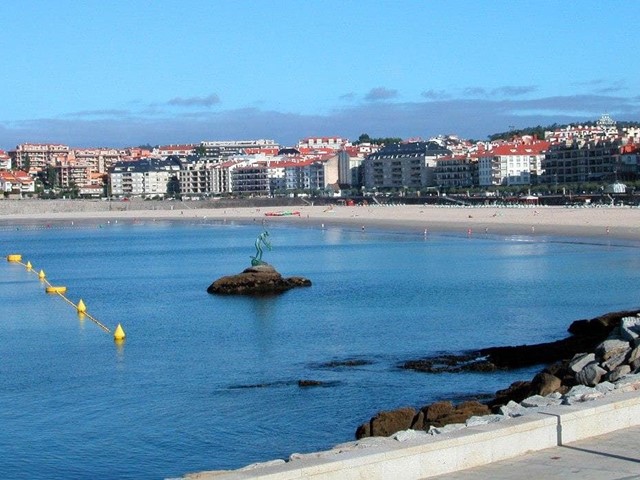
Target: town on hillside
[(600, 156)]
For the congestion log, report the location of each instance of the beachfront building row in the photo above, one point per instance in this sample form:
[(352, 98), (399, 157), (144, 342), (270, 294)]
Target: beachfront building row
[(527, 161), (409, 165), (591, 161), (149, 177), (242, 175)]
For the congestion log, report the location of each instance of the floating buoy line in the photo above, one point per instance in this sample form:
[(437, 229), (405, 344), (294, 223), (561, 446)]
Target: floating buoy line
[(80, 307)]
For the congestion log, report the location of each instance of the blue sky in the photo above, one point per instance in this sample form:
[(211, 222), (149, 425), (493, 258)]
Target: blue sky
[(119, 73)]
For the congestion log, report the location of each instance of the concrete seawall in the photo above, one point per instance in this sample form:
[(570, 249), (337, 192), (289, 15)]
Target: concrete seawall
[(423, 456)]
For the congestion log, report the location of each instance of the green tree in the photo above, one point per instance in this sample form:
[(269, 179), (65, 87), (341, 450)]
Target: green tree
[(26, 163), (173, 186)]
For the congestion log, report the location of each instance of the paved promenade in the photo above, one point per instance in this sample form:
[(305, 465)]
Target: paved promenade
[(614, 456)]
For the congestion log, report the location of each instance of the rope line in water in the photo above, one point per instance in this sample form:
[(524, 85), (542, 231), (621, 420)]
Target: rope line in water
[(44, 280)]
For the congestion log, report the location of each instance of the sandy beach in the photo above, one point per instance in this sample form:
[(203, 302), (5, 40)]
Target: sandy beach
[(594, 222)]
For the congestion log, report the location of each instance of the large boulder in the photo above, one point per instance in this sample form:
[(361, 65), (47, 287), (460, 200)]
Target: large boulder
[(384, 424), (256, 280)]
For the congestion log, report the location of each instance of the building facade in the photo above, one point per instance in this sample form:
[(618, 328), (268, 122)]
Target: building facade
[(456, 172), (514, 163), (579, 162), (149, 177), (403, 165)]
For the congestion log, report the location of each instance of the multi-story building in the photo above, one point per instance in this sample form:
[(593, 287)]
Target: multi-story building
[(180, 151), (403, 165), (629, 162), (221, 176), (583, 161), (197, 176), (456, 171), (5, 160), (149, 177), (334, 143), (227, 148), (16, 183), (604, 129), (251, 180), (513, 163), (35, 157)]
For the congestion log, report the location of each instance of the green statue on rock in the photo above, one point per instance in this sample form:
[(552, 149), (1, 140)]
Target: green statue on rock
[(263, 239), (260, 279)]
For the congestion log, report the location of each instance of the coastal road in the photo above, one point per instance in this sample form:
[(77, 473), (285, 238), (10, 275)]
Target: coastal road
[(615, 456)]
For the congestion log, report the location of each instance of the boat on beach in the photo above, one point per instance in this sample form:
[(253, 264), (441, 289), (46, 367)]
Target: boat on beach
[(282, 214)]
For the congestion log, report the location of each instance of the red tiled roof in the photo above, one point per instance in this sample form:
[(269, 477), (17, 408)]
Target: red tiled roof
[(520, 149)]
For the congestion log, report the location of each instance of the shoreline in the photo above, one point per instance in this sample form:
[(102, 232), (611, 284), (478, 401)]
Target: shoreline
[(621, 223)]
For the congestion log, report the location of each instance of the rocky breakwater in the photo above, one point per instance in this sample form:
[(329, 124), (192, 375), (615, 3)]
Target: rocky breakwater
[(601, 354), (261, 279)]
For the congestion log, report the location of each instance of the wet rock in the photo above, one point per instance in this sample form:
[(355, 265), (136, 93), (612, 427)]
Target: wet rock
[(437, 410), (451, 363), (345, 363), (363, 431), (462, 412), (516, 392), (257, 280), (387, 423), (310, 383), (418, 421)]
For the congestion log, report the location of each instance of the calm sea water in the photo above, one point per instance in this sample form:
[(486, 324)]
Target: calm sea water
[(208, 382)]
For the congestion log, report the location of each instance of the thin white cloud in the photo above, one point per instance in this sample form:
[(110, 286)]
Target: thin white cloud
[(435, 94), (207, 101), (380, 93), (99, 113), (513, 91), (348, 96)]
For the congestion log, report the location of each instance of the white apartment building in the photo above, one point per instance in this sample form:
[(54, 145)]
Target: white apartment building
[(5, 160), (334, 143), (512, 164), (149, 177)]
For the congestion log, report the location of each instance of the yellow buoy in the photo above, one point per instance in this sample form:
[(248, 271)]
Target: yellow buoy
[(29, 266), (41, 275), (119, 333), (14, 257), (54, 289), (81, 307)]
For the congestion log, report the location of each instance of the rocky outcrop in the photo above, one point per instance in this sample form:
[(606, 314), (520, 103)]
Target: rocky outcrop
[(256, 280), (436, 415), (599, 352)]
